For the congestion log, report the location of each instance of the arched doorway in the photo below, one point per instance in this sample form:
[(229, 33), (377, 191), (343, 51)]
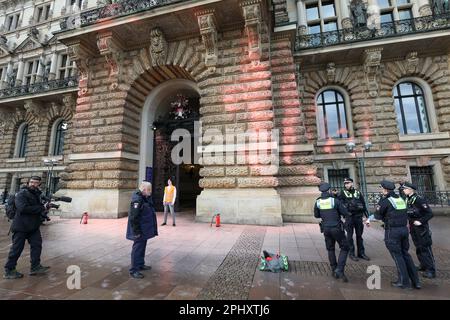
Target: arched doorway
[(159, 120)]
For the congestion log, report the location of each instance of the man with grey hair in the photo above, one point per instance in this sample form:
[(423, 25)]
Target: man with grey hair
[(142, 225)]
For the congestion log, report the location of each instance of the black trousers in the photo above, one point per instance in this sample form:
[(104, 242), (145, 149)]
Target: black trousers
[(397, 242), (333, 235), (355, 223), (421, 236), (18, 238), (138, 255)]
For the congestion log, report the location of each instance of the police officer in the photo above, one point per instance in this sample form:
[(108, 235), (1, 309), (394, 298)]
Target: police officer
[(392, 210), (355, 204), (25, 226), (419, 213), (330, 210), (142, 226)]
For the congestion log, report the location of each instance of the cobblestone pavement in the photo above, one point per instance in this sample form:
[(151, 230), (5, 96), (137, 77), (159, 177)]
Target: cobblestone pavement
[(196, 261)]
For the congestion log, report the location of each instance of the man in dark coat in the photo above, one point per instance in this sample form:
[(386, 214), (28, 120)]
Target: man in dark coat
[(330, 210), (142, 225), (392, 210), (25, 226), (419, 213)]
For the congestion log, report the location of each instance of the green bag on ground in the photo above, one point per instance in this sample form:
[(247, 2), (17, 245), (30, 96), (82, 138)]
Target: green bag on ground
[(273, 262)]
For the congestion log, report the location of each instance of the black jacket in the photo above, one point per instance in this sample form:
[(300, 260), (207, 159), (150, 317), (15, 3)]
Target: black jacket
[(330, 217), (349, 202), (28, 210), (418, 209), (388, 214)]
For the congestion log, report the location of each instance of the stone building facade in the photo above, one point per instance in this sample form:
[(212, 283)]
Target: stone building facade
[(254, 66)]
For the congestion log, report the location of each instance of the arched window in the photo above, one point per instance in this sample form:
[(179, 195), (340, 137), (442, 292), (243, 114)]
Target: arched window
[(331, 115), (21, 142), (58, 138), (411, 109)]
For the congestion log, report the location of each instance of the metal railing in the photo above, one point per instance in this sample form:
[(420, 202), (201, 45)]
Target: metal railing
[(433, 198), (39, 87), (365, 33), (117, 9)]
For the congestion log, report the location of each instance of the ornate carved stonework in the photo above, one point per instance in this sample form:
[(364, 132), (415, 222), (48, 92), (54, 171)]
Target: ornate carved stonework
[(372, 62), (158, 47), (81, 55), (5, 121), (69, 103), (346, 23), (252, 16), (331, 71), (412, 61), (425, 10), (35, 111), (110, 48), (209, 36)]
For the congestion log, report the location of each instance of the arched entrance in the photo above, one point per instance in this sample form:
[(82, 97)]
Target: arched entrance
[(158, 122)]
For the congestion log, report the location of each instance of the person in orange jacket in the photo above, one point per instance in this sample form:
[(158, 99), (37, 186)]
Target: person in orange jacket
[(170, 195)]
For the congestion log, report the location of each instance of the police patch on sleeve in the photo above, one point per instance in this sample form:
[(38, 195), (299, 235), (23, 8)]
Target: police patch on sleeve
[(136, 205), (425, 206)]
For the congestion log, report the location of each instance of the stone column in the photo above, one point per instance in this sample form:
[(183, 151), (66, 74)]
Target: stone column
[(40, 70), (4, 80), (302, 21), (424, 8), (53, 66), (19, 78), (346, 22)]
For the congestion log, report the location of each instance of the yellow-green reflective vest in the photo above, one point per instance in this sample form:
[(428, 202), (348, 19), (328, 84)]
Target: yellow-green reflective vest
[(397, 203), (325, 204), (350, 195)]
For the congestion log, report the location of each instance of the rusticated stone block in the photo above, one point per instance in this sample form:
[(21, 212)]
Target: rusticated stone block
[(299, 181), (80, 184), (263, 170), (259, 182), (236, 171), (216, 183), (297, 170), (212, 172)]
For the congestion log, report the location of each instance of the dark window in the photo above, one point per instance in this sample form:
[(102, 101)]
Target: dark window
[(336, 178), (386, 17), (422, 177), (59, 139), (55, 185), (411, 109), (23, 142), (332, 115)]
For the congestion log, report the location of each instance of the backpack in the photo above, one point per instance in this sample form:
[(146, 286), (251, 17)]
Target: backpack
[(273, 262), (10, 207)]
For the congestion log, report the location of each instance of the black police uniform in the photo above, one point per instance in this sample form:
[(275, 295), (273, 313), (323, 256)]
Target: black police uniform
[(356, 206), (391, 209), (419, 210), (25, 226), (330, 210)]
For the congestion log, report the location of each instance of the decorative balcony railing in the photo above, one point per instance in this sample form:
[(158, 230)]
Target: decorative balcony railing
[(433, 198), (39, 87), (365, 33), (114, 10)]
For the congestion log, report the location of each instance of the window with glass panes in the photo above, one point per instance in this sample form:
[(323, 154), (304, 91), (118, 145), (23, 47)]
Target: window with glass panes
[(411, 109), (42, 13), (321, 16), (58, 148), (336, 177), (31, 72), (65, 67), (12, 22), (391, 10), (331, 115), (422, 177), (23, 138)]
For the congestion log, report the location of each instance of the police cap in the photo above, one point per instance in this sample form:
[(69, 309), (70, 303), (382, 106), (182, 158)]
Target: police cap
[(348, 180), (409, 186), (324, 187), (388, 185)]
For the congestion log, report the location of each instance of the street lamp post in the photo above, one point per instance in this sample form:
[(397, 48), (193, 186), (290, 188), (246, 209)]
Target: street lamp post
[(351, 148), (50, 163)]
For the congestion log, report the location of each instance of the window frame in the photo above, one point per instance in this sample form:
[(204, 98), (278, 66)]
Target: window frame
[(44, 15), (54, 143), (68, 68), (22, 141), (30, 78), (347, 111), (321, 21), (9, 21), (429, 107)]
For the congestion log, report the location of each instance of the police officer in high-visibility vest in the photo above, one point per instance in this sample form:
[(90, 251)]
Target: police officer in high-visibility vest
[(419, 213), (392, 210), (330, 210), (355, 204)]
